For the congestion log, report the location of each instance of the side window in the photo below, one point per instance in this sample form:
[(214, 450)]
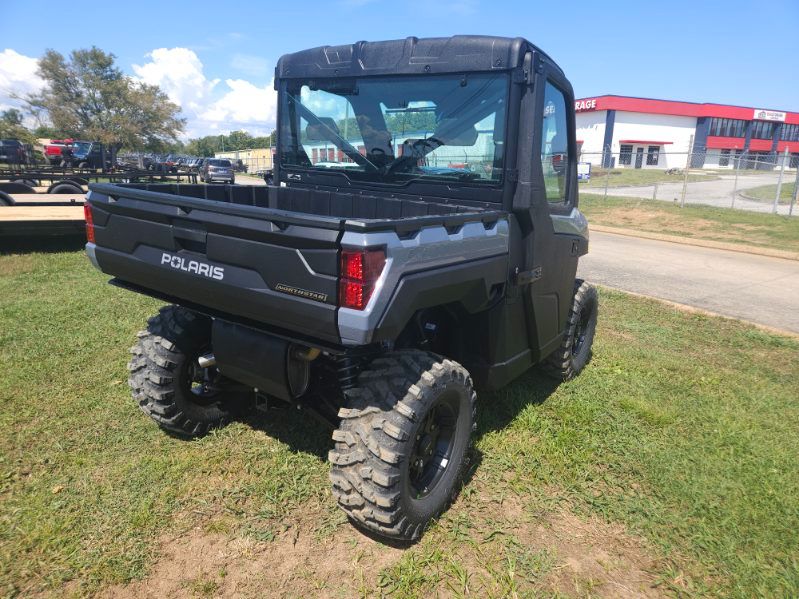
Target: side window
[(554, 144)]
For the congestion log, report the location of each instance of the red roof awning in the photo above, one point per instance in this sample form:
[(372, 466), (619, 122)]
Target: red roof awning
[(645, 142)]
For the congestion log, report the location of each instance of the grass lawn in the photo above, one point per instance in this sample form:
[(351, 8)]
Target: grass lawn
[(672, 460), (632, 177), (698, 222), (767, 193)]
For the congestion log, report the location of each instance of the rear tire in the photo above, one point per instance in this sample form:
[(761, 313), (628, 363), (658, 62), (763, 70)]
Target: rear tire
[(66, 188), (166, 380), (28, 182), (575, 351), (401, 447)]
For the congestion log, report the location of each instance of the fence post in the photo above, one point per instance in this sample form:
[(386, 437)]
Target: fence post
[(779, 183), (795, 191), (735, 183), (687, 166), (655, 191), (607, 170)]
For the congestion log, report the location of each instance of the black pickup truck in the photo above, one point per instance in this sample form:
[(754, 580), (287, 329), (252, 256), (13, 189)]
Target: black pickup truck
[(419, 241)]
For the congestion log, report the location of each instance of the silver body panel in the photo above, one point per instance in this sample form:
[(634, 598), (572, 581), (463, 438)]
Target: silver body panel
[(432, 247)]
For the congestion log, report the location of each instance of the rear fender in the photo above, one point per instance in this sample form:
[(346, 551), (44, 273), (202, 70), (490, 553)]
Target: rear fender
[(435, 266)]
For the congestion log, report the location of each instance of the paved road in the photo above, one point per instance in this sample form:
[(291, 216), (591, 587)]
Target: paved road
[(717, 192), (755, 288)]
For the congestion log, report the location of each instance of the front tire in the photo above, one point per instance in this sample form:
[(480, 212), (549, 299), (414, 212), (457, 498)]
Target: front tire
[(575, 351), (401, 447), (166, 380)]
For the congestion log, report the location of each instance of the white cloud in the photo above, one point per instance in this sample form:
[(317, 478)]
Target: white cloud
[(179, 73), (245, 106), (17, 78)]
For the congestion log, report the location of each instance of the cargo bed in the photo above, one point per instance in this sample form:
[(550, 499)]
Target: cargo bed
[(229, 247)]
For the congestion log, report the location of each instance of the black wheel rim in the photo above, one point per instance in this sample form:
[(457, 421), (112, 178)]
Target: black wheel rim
[(202, 382), (433, 445), (581, 329)]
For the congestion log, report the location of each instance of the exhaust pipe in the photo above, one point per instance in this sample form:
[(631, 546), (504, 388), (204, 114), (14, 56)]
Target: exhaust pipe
[(207, 361), (309, 354)]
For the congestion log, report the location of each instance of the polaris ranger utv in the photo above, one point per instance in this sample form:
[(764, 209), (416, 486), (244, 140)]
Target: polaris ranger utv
[(420, 241)]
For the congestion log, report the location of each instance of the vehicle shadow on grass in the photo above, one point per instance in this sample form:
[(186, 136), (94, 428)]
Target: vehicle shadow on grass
[(299, 429), (302, 431), (497, 409), (45, 245)]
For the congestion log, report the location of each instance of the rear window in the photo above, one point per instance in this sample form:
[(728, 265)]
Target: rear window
[(219, 162), (10, 142)]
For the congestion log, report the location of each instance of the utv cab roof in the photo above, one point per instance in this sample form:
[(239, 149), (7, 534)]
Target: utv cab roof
[(457, 54)]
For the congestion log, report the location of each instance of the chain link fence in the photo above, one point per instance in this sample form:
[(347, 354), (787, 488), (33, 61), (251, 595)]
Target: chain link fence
[(742, 180)]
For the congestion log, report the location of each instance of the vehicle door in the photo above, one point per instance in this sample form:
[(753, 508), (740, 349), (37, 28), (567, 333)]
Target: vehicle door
[(555, 243)]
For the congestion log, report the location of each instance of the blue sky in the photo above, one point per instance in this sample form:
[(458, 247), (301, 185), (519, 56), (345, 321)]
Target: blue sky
[(217, 58)]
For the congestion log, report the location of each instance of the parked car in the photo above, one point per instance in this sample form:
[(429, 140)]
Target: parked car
[(54, 151), (239, 166), (12, 151), (87, 154), (217, 169), (381, 297)]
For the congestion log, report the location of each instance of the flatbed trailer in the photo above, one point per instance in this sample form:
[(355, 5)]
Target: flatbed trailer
[(41, 221), (55, 175), (43, 215)]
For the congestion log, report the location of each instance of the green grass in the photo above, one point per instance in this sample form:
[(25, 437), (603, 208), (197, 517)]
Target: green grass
[(684, 429), (767, 193), (698, 222), (632, 177)]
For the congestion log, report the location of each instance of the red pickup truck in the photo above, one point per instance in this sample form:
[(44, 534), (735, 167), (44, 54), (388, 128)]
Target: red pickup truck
[(52, 151)]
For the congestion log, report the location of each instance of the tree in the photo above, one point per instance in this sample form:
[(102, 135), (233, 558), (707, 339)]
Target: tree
[(204, 146), (238, 140), (11, 126), (88, 97), (235, 140)]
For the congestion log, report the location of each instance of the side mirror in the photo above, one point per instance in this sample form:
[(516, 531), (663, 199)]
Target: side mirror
[(321, 131)]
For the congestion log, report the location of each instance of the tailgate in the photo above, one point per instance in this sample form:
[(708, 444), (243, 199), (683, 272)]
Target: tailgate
[(268, 266)]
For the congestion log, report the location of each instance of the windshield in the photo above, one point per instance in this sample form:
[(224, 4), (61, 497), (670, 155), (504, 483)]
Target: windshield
[(81, 146), (397, 129)]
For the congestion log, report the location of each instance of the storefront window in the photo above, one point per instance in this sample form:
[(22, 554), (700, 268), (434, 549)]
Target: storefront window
[(727, 127), (762, 130), (625, 154), (652, 155)]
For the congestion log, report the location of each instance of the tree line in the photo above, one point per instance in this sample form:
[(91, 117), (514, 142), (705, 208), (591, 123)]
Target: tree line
[(86, 96)]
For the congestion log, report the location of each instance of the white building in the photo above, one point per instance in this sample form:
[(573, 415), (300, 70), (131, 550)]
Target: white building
[(631, 132)]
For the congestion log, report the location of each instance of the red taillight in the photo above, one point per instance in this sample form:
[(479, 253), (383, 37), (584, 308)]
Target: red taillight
[(360, 270), (87, 213)]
